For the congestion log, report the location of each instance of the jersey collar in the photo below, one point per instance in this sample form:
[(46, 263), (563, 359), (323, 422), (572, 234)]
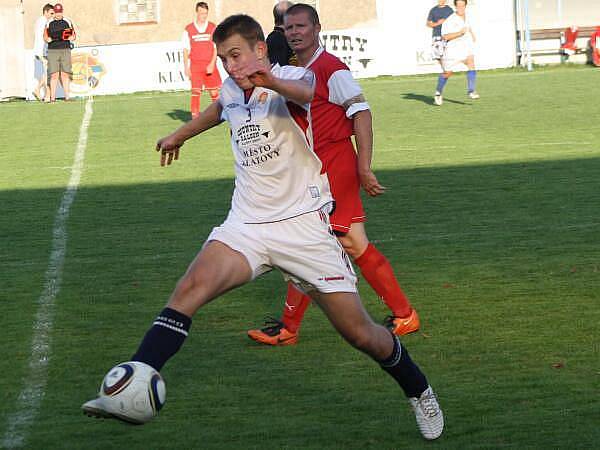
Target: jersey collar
[(315, 55)]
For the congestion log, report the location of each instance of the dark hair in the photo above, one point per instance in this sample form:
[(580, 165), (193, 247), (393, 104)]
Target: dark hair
[(456, 1), (279, 11), (203, 5), (47, 7), (241, 24), (303, 7)]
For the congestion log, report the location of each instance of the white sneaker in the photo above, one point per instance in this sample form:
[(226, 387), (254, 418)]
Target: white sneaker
[(438, 99), (430, 418), (474, 95), (102, 409)]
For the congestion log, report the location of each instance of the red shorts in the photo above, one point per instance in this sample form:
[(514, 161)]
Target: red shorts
[(341, 165), (202, 80)]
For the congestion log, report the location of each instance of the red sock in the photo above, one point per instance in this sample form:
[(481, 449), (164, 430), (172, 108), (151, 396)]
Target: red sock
[(195, 104), (214, 95), (378, 272), (296, 303)]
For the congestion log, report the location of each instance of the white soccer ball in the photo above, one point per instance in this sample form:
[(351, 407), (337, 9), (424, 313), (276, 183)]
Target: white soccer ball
[(134, 391)]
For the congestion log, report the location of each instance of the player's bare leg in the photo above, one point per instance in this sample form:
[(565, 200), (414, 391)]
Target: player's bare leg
[(65, 80), (378, 272), (215, 270), (347, 314), (53, 85)]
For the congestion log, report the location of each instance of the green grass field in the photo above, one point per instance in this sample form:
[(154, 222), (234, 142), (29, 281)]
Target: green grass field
[(491, 220)]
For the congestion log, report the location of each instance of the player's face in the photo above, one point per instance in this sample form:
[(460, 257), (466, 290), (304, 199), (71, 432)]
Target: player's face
[(442, 2), (461, 7), (236, 54), (201, 15), (49, 14), (58, 16), (300, 32)]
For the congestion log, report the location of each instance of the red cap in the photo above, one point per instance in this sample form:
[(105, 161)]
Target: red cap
[(58, 8)]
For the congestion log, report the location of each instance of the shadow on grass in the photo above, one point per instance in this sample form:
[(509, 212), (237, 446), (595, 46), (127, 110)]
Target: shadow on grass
[(428, 99), (497, 230), (180, 114)]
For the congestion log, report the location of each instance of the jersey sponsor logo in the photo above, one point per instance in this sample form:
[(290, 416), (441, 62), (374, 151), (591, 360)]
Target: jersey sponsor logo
[(233, 105), (259, 154)]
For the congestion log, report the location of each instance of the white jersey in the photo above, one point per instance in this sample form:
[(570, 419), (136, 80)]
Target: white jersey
[(277, 173), (461, 47), (40, 47)]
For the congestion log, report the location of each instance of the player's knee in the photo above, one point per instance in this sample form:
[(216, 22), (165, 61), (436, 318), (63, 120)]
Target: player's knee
[(361, 338), (196, 91), (354, 247)]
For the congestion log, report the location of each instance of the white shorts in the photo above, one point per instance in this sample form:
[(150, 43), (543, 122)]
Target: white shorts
[(438, 46), (303, 248)]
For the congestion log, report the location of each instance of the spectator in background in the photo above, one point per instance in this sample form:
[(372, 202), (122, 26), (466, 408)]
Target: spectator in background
[(278, 47), (59, 34), (595, 46), (437, 16), (40, 52), (200, 58)]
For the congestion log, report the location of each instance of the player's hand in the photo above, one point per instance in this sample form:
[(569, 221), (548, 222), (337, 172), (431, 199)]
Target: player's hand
[(169, 149), (210, 69), (256, 73), (370, 184)]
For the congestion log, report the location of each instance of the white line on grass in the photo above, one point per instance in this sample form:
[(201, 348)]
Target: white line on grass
[(34, 387)]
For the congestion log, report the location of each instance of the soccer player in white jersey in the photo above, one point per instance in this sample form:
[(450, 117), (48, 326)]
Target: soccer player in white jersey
[(460, 49), (278, 217)]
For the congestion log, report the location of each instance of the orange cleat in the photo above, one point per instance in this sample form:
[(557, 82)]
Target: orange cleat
[(273, 333), (403, 325)]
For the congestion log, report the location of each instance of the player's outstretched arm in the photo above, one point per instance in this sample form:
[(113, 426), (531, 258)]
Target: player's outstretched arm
[(363, 131), (169, 146)]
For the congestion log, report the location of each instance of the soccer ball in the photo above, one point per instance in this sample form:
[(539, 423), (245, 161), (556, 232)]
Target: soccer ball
[(133, 391)]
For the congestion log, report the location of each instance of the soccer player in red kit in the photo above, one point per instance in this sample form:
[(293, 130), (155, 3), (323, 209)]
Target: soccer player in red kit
[(200, 57), (339, 110)]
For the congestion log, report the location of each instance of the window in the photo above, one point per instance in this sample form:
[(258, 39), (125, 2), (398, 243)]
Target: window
[(137, 11)]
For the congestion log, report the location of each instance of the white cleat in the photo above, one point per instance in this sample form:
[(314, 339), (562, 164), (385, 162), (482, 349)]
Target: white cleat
[(430, 418), (474, 95), (101, 409), (438, 99)]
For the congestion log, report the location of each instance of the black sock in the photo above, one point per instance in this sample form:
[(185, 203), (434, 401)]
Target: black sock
[(405, 371), (163, 339)]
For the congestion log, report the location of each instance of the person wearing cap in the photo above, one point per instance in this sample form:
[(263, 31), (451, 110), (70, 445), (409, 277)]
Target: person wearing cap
[(59, 34)]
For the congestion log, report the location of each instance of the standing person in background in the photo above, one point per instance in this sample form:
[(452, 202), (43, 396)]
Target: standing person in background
[(200, 58), (437, 16), (40, 53), (279, 49), (59, 34), (457, 31), (339, 110)]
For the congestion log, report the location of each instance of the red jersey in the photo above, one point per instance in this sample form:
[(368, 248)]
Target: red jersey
[(334, 88), (199, 42)]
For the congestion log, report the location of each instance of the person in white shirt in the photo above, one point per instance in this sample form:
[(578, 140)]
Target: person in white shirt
[(278, 218), (460, 48), (40, 52)]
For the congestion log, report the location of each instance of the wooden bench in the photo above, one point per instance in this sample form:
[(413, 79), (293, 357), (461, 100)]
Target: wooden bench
[(556, 37)]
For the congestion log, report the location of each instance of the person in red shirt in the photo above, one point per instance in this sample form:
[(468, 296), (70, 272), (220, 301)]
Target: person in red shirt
[(339, 110), (595, 45), (200, 57)]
